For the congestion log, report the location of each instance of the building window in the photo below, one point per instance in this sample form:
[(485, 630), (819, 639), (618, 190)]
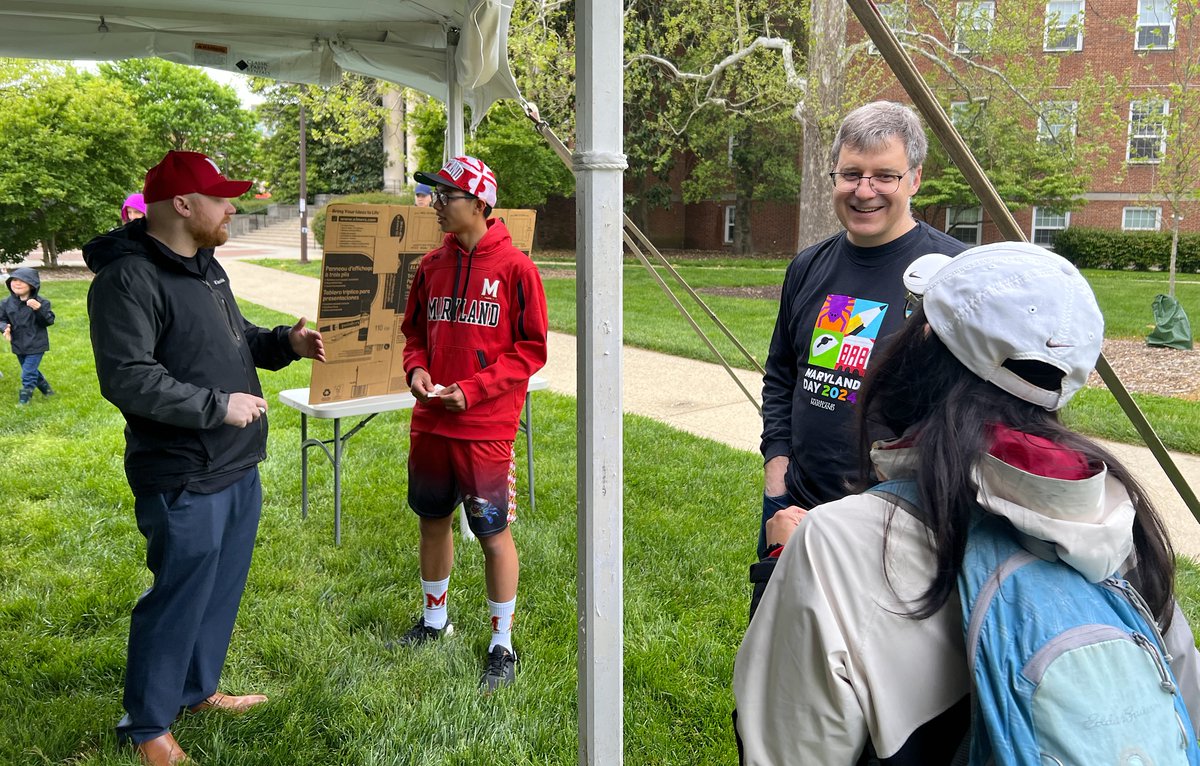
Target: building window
[(1147, 131), (730, 212), (1064, 25), (895, 15), (965, 224), (1056, 123), (1046, 223), (1141, 218), (973, 25), (1155, 25)]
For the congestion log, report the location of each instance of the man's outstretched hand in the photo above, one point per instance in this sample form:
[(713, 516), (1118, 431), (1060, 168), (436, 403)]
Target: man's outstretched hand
[(307, 342)]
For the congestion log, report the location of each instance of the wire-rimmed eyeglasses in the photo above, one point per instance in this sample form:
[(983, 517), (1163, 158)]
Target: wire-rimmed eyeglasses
[(880, 183)]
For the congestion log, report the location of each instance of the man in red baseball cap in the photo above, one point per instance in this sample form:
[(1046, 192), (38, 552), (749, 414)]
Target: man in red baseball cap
[(175, 355), (474, 332)]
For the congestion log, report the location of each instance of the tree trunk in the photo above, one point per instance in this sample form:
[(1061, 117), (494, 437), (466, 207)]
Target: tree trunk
[(1174, 252), (822, 107), (393, 135), (743, 237), (50, 252)]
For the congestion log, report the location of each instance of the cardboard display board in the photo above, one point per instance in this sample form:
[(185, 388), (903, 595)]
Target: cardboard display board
[(371, 257)]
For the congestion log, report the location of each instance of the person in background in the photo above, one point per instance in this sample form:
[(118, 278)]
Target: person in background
[(177, 358), (24, 316), (841, 300), (423, 194), (132, 208)]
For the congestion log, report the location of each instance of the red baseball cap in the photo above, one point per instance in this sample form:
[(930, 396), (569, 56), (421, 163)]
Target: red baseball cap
[(466, 173), (189, 173)]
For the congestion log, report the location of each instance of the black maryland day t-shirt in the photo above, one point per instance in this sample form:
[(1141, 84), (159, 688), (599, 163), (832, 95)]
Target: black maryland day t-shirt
[(839, 303)]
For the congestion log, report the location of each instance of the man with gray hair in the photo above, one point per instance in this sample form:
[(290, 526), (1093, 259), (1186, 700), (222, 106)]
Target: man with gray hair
[(842, 297)]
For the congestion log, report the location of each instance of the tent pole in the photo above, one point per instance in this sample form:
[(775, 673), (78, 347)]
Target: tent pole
[(455, 143), (918, 90), (598, 163)]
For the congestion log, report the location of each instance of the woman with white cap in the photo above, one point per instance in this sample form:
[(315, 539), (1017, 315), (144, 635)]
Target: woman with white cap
[(856, 653)]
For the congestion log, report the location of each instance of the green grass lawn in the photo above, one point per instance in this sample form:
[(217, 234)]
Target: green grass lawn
[(1125, 298), (315, 617)]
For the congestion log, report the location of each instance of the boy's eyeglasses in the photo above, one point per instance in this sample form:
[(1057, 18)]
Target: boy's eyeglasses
[(442, 198)]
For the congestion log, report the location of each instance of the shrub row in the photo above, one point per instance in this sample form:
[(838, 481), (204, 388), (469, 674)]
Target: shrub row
[(249, 205), (1121, 250)]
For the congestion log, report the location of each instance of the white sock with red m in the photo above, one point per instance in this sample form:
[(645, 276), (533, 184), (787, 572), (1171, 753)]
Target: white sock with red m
[(502, 622), (435, 602)]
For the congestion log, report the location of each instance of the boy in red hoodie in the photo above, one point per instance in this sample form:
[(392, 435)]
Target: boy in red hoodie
[(475, 331)]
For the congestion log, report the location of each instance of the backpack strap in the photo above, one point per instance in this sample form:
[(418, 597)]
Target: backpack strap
[(902, 493)]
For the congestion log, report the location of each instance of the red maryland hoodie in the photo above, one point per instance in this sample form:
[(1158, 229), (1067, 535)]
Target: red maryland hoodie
[(477, 319)]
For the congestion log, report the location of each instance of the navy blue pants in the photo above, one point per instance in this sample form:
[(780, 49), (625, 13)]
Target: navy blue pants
[(31, 376), (199, 549)]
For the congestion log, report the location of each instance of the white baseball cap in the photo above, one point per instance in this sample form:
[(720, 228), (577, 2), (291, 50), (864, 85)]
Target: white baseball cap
[(1011, 302)]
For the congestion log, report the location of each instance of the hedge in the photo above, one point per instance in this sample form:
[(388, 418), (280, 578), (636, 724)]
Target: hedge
[(1127, 250), (249, 205), (367, 198)]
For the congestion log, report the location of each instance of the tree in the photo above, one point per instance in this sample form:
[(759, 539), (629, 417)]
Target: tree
[(345, 132), (72, 152), (1175, 173), (527, 168), (731, 112), (1003, 95), (186, 110), (744, 155)]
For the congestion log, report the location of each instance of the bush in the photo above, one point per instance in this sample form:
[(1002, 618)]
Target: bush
[(250, 205), (368, 198), (1127, 250)]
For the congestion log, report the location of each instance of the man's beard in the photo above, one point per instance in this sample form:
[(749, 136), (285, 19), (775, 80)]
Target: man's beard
[(205, 238)]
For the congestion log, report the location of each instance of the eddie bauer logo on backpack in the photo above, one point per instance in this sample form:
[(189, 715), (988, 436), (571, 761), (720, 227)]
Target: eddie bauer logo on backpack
[(1064, 672)]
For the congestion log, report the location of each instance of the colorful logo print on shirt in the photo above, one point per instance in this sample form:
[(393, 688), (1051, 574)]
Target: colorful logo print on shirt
[(845, 333)]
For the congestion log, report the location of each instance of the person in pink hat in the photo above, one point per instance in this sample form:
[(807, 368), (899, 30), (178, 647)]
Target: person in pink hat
[(475, 331), (175, 355), (132, 208)]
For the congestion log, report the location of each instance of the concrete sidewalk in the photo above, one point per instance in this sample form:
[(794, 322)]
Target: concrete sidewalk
[(697, 397)]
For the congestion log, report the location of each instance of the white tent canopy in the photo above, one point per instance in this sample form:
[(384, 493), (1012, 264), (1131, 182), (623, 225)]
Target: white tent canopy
[(313, 41)]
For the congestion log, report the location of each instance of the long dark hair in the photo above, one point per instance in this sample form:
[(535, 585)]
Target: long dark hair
[(918, 387)]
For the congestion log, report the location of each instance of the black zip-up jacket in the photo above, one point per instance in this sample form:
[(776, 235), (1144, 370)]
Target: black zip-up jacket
[(170, 347)]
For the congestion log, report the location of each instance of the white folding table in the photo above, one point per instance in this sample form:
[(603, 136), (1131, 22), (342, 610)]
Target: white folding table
[(370, 406)]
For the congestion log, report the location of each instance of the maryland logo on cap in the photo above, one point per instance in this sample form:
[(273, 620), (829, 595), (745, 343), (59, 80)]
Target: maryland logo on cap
[(466, 173)]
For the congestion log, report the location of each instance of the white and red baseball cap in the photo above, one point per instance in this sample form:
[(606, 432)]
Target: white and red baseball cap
[(189, 173), (466, 173)]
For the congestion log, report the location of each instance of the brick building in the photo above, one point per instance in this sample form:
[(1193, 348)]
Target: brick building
[(1138, 41)]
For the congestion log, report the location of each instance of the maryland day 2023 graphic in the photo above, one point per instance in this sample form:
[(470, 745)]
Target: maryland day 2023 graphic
[(842, 341)]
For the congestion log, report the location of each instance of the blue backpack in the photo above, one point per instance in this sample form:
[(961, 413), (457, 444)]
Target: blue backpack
[(1064, 672)]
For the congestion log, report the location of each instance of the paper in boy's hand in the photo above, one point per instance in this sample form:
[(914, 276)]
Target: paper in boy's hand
[(437, 389)]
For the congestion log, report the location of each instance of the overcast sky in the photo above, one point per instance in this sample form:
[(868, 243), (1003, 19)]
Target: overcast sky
[(238, 81)]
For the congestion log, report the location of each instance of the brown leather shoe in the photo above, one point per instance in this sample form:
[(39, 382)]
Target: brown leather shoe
[(162, 751), (228, 703)]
